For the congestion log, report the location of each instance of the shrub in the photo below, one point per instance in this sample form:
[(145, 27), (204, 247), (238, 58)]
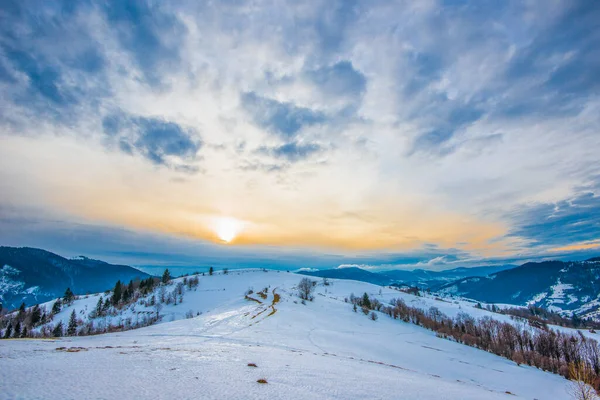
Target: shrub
[(305, 289)]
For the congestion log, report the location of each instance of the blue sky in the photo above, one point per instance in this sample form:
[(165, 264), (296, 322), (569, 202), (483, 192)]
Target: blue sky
[(386, 134)]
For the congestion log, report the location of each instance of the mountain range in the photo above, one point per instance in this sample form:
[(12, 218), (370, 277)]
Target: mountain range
[(418, 277), (560, 286), (566, 287), (33, 275)]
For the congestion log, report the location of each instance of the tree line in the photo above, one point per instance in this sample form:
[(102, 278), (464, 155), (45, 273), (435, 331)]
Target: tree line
[(569, 355)]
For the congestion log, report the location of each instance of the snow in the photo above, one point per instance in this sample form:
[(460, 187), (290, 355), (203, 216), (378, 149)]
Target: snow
[(558, 290), (32, 290), (537, 298), (321, 350), (7, 284)]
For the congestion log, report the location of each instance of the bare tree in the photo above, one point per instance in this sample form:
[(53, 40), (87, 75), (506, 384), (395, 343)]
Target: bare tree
[(305, 289), (158, 307), (582, 377)]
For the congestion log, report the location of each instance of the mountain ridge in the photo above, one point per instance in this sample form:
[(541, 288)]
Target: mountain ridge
[(33, 275), (566, 287), (417, 277)]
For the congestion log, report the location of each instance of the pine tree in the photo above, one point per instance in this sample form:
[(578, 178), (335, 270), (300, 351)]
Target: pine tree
[(24, 332), (36, 315), (126, 295), (8, 331), (211, 270), (22, 312), (117, 293), (99, 307), (56, 306), (130, 288), (166, 276), (17, 331), (58, 330), (106, 306), (69, 296), (72, 328), (365, 301), (354, 308)]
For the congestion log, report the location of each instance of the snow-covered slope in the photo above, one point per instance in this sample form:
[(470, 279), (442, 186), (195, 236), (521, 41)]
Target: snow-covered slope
[(319, 350)]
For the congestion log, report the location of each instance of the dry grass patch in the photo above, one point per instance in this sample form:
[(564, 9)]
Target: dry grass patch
[(262, 381), (71, 349), (276, 297), (252, 365), (253, 299)]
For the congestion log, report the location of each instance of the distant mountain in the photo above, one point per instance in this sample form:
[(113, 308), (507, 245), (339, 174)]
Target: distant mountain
[(432, 279), (556, 285), (351, 273), (33, 275), (419, 277)]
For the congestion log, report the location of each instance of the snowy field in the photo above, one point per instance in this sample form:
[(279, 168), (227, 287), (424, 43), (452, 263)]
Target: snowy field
[(321, 350)]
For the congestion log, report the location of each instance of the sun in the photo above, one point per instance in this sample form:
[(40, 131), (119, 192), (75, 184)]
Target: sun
[(227, 228)]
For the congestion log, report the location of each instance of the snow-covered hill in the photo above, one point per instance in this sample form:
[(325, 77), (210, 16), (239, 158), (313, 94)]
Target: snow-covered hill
[(320, 349)]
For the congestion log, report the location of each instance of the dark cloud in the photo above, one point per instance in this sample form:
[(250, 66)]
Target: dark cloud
[(282, 119), (559, 224), (155, 139)]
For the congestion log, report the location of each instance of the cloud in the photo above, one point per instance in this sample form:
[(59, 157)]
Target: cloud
[(281, 118), (438, 261), (140, 27), (455, 121), (292, 151), (563, 55), (573, 220), (157, 140), (43, 79), (340, 79)]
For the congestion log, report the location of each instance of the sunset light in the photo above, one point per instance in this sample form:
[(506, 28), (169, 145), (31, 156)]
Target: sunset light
[(227, 228)]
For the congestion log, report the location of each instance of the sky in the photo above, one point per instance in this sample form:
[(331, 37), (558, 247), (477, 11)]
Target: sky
[(385, 134)]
